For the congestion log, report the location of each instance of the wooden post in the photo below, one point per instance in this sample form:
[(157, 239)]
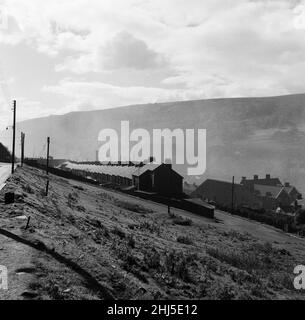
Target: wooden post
[(47, 187), (48, 150), (14, 136), (22, 148), (28, 222), (232, 200), (47, 169), (170, 194)]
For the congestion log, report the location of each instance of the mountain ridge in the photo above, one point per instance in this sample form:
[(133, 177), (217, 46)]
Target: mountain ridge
[(245, 136)]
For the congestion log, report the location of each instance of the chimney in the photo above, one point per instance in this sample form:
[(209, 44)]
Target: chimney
[(267, 176), (255, 177), (287, 184)]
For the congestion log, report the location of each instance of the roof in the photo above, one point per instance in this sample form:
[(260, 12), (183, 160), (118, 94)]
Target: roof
[(116, 170), (217, 185), (290, 189), (227, 183), (122, 171), (263, 181), (151, 167), (274, 191)]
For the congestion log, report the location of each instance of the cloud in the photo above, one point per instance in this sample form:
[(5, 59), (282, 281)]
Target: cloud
[(123, 51), (126, 51), (181, 49)]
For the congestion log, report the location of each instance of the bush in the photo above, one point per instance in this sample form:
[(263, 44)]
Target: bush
[(151, 227), (184, 240), (152, 259), (177, 264), (300, 217), (180, 220), (132, 207), (183, 222)]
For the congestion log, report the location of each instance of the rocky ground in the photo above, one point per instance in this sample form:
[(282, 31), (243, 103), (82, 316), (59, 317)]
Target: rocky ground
[(85, 242)]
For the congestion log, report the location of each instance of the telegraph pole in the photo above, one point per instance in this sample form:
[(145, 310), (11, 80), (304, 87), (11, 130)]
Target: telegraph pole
[(232, 200), (14, 135), (170, 195), (48, 150), (22, 148)]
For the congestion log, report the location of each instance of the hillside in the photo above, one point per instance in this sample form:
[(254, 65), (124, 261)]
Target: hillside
[(245, 136), (85, 242), (5, 155)]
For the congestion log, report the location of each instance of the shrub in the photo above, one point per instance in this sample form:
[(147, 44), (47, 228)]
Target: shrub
[(300, 217), (183, 222), (180, 220), (177, 264), (150, 226), (132, 207), (72, 199), (152, 258), (184, 240)]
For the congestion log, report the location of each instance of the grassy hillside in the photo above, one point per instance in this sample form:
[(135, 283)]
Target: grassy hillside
[(91, 243), (245, 136), (5, 155)]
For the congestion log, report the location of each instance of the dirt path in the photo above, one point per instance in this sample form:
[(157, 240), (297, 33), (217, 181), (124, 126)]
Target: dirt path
[(263, 232)]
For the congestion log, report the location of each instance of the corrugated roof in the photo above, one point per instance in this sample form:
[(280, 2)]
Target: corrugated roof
[(122, 171)]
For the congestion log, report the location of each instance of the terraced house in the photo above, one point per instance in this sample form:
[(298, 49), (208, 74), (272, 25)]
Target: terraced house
[(257, 193)]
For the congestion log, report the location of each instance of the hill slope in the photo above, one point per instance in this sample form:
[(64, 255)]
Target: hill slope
[(92, 243), (245, 136), (5, 155)]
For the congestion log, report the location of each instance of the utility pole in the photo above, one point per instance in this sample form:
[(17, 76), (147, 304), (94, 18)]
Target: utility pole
[(14, 135), (47, 169), (48, 150), (22, 148), (170, 195), (232, 200)]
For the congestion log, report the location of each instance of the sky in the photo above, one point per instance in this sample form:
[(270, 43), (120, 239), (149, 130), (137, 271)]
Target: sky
[(69, 55)]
